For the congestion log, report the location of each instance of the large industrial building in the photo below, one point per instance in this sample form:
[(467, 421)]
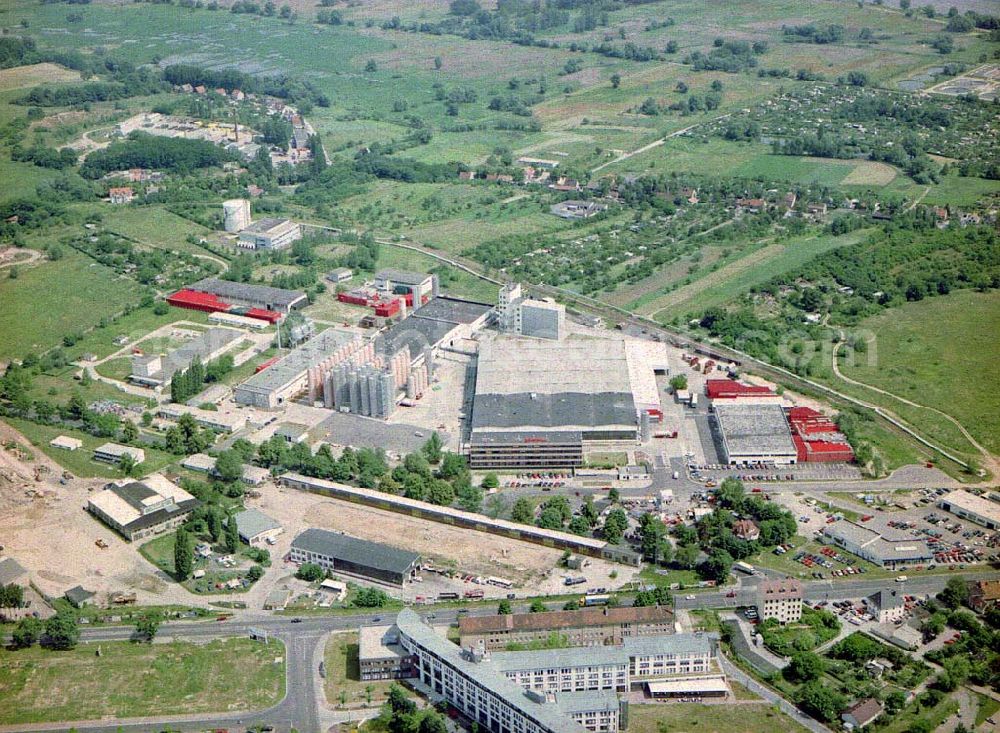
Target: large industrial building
[(156, 370), (269, 234), (551, 691), (750, 433), (540, 403), (301, 370), (582, 627), (524, 316), (346, 555), (976, 509), (874, 547), (367, 376), (262, 297), (139, 509)]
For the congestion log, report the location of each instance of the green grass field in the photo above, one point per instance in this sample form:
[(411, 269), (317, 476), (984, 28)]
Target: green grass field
[(154, 226), (80, 462), (134, 680), (721, 718), (742, 273), (77, 292), (938, 353)]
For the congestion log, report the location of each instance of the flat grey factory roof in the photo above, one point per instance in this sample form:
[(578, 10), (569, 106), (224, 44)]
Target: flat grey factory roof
[(751, 429), (430, 324), (290, 367), (345, 428), (226, 288), (406, 277), (566, 409), (264, 225), (484, 673), (354, 550), (513, 365), (453, 310), (251, 522), (416, 333)]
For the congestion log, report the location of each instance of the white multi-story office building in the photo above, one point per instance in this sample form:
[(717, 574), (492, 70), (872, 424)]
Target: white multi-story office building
[(554, 689)]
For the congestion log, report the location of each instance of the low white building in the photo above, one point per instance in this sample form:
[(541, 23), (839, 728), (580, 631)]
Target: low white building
[(113, 452), (976, 509), (868, 544), (255, 527), (269, 234)]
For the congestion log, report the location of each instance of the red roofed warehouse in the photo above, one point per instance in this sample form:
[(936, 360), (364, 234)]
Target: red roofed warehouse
[(730, 389), (817, 438)]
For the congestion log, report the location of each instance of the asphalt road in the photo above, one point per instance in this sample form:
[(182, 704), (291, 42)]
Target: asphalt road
[(302, 637)]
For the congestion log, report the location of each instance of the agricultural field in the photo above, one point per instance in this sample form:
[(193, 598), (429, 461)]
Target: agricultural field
[(135, 680), (21, 77)]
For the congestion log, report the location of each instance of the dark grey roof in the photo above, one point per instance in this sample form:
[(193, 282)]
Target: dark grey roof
[(453, 310), (553, 410), (486, 437), (134, 493), (404, 277), (10, 570), (351, 549), (887, 599), (430, 324), (78, 595), (246, 291)]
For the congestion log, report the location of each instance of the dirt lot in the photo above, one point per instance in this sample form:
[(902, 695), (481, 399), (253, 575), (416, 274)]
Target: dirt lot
[(530, 566), (53, 536)]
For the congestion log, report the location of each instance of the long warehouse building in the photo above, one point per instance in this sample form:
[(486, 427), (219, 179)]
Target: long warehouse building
[(460, 518)]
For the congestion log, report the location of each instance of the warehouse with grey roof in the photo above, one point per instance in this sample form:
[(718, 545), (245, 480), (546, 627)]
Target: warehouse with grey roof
[(753, 433), (340, 553), (253, 296)]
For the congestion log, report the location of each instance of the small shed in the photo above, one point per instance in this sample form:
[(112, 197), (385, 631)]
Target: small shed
[(79, 596), (255, 527), (66, 443)]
